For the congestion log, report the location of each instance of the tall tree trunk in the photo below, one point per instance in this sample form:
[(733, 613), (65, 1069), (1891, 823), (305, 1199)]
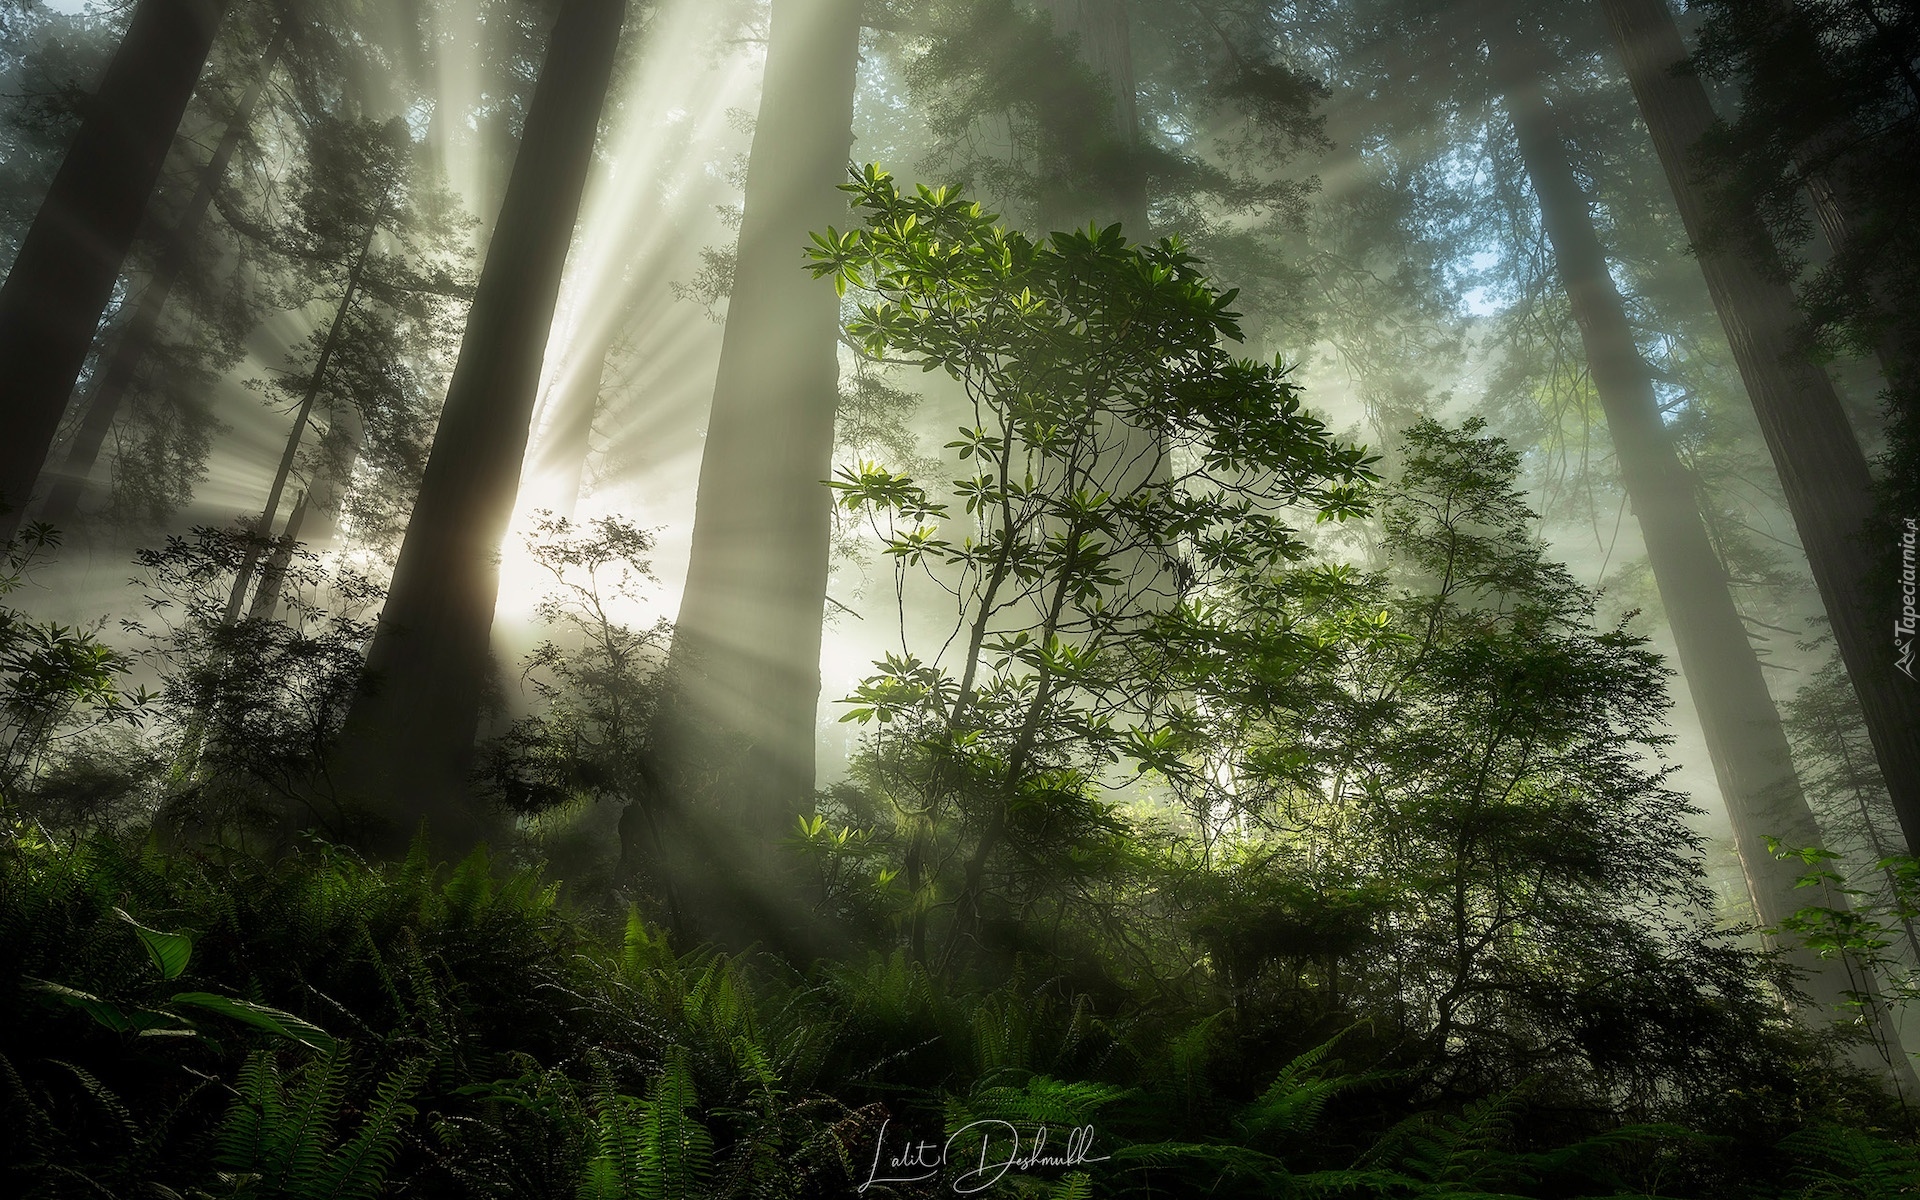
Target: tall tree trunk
[(316, 514), (1103, 39), (58, 288), (130, 349), (302, 415), (1751, 758), (746, 647), (407, 746), (1820, 463)]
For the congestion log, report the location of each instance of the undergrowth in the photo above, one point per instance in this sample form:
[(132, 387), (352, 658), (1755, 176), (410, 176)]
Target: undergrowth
[(188, 1025)]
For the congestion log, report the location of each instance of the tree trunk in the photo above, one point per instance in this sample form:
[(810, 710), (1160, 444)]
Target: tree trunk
[(1821, 467), (407, 746), (1745, 739), (1103, 40), (243, 579), (746, 647), (318, 510), (130, 350), (51, 303)]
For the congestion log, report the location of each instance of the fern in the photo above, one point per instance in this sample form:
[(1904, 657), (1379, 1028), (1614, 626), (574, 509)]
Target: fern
[(1837, 1163), (278, 1138), (1294, 1101), (1459, 1157), (1043, 1101), (652, 1149), (360, 1167)]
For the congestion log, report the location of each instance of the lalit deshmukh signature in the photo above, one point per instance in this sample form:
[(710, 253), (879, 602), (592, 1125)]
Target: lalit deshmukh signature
[(1002, 1151)]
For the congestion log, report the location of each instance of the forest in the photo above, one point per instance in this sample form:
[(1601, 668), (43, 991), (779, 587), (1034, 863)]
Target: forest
[(671, 599)]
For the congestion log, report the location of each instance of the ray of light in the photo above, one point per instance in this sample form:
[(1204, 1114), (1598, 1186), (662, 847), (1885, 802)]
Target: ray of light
[(649, 208)]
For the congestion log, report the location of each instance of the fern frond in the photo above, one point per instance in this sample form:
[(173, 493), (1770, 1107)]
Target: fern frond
[(359, 1168)]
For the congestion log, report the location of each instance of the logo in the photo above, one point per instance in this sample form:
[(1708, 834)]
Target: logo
[(977, 1156), (1905, 626)]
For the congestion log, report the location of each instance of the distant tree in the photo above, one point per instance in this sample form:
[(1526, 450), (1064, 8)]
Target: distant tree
[(48, 61), (1751, 757), (63, 276), (378, 236), (1828, 125), (1815, 451), (134, 342), (251, 705), (1462, 812)]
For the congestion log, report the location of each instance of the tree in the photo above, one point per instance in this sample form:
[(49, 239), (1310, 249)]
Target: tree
[(1436, 794), (1828, 123), (1814, 449), (374, 227), (596, 680), (746, 645), (1751, 757), (131, 347), (1102, 37), (1069, 350), (408, 743), (59, 285)]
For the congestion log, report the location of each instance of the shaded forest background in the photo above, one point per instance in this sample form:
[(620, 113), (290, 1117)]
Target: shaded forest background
[(619, 598)]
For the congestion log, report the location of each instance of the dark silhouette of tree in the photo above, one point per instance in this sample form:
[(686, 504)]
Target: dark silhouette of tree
[(408, 743), (60, 282), (136, 339)]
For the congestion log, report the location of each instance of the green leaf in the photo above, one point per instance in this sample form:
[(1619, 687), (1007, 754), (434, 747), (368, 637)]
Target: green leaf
[(272, 1020), (169, 951), (105, 1012)]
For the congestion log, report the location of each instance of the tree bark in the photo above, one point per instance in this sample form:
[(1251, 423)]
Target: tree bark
[(53, 298), (746, 648), (1822, 469), (1103, 39), (130, 349), (407, 746), (1751, 758)]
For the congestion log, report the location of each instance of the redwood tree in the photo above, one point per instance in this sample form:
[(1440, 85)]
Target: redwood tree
[(746, 649), (1821, 466), (53, 298), (407, 746), (1752, 761)]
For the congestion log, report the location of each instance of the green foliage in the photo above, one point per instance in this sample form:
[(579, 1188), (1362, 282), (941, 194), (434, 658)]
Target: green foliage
[(1836, 1163), (279, 1140), (58, 684), (594, 675), (652, 1149), (1828, 110), (492, 1043), (1120, 464), (251, 705)]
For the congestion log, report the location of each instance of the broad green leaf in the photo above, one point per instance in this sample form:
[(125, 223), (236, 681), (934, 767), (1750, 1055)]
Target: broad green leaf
[(272, 1020), (169, 951), (103, 1011)]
